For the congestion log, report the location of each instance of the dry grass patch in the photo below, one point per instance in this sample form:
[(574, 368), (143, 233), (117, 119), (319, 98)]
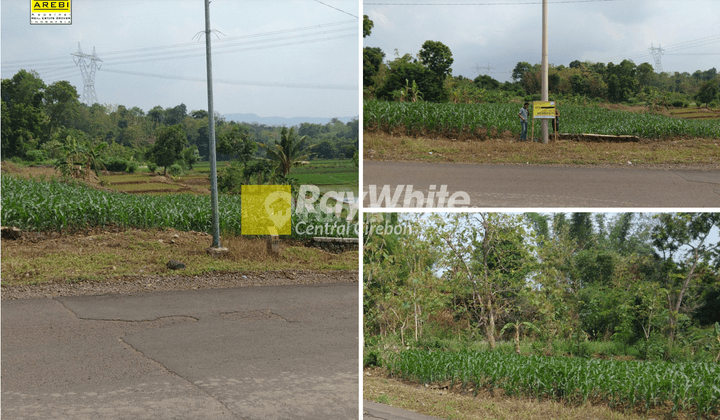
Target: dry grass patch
[(693, 152), (103, 255)]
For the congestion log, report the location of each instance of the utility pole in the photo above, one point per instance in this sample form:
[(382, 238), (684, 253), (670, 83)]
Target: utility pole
[(215, 247), (88, 74), (544, 89)]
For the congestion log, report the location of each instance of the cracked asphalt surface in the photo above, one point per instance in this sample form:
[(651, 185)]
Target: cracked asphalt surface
[(373, 410), (269, 352), (541, 186)]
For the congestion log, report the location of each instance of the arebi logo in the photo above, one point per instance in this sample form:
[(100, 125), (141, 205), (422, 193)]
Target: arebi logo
[(50, 12), (432, 197), (269, 210)]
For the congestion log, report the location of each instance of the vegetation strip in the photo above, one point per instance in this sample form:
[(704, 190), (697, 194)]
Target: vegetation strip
[(693, 387), (481, 121), (60, 206)]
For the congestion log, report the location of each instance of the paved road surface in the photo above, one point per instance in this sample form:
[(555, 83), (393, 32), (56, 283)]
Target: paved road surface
[(538, 186), (275, 352), (375, 411)]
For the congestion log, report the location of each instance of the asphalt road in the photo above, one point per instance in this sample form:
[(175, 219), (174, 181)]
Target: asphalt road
[(273, 352), (375, 411), (535, 186)]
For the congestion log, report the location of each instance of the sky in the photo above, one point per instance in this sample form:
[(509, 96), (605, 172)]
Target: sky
[(500, 33), (286, 58)]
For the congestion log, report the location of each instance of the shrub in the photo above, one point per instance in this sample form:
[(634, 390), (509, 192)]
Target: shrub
[(132, 166), (36, 156), (152, 166), (115, 164), (175, 169)]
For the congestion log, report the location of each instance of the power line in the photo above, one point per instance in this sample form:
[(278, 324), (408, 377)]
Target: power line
[(190, 45), (487, 4), (332, 7), (238, 82), (156, 57)]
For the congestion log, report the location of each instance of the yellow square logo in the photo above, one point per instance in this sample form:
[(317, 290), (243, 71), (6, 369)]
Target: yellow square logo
[(50, 12), (265, 210)]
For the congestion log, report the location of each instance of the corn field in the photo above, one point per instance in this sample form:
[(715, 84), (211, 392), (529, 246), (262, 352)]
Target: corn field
[(487, 120), (33, 205), (691, 388)]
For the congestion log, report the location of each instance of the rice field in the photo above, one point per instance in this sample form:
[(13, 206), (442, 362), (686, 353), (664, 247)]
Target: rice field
[(488, 120), (690, 388)]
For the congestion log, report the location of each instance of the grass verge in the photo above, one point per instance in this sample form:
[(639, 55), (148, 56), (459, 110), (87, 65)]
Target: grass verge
[(103, 255), (692, 152), (434, 400)]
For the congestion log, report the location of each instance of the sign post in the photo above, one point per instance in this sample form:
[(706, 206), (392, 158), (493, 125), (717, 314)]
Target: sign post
[(543, 110)]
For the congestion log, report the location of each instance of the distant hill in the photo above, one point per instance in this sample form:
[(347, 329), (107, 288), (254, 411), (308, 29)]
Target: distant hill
[(280, 121)]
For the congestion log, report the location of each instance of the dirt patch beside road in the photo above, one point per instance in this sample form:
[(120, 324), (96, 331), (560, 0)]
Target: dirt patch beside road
[(666, 154), (136, 284)]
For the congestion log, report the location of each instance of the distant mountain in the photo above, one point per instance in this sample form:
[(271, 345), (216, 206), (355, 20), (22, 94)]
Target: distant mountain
[(280, 121)]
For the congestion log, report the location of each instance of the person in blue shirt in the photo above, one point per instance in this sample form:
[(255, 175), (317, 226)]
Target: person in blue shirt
[(523, 114)]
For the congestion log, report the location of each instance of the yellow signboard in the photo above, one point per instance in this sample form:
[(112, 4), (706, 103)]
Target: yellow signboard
[(544, 109), (50, 12)]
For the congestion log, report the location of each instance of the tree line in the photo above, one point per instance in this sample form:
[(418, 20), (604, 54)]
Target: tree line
[(38, 120), (428, 76), (651, 281)]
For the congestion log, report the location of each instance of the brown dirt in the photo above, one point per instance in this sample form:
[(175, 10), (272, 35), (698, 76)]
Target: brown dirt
[(694, 153), (136, 284), (39, 264)]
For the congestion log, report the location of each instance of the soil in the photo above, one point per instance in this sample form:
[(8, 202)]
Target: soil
[(140, 284)]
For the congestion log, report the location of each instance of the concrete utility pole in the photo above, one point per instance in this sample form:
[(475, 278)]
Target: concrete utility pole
[(544, 89), (211, 119)]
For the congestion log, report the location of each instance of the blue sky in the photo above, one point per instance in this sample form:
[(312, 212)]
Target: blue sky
[(271, 57)]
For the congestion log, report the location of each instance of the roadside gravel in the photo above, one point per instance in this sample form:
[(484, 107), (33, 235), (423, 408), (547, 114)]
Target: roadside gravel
[(139, 284)]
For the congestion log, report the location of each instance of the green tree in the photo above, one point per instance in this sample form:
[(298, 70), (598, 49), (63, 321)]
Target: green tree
[(367, 26), (169, 144), (437, 58), (684, 245), (23, 119), (61, 105), (190, 156), (622, 82), (489, 254), (372, 61), (237, 142), (289, 152), (520, 69), (708, 92)]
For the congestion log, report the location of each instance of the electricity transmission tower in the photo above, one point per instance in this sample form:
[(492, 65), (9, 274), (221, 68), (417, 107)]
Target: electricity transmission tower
[(657, 53), (477, 69), (88, 74)]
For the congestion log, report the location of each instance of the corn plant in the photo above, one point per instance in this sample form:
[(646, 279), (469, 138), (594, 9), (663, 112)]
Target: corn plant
[(692, 388), (480, 120)]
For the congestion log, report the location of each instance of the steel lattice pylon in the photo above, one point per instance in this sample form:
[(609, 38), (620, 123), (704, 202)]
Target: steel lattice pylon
[(657, 53), (88, 74)]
